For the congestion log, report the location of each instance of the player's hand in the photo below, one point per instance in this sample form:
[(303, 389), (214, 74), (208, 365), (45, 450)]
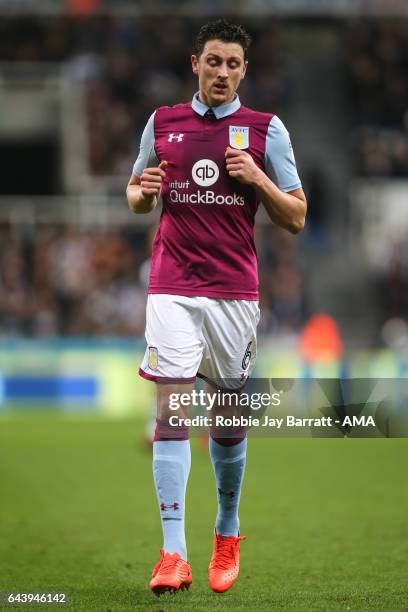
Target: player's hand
[(241, 166), (152, 179)]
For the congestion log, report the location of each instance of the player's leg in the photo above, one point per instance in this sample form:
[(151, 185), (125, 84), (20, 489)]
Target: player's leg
[(230, 333), (228, 456), (171, 468), (174, 350)]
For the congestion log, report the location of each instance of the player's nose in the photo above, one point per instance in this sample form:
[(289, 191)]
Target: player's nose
[(223, 72)]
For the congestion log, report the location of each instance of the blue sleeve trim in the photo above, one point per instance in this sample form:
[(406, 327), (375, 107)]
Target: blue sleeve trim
[(297, 185), (280, 165), (147, 155)]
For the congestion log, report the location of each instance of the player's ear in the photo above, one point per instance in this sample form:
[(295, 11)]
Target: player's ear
[(244, 69), (194, 64)]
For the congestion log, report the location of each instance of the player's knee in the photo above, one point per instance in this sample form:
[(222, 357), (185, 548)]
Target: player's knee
[(168, 424), (228, 438), (166, 431), (173, 398)]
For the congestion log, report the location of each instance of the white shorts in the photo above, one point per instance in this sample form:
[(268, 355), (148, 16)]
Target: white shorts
[(212, 338)]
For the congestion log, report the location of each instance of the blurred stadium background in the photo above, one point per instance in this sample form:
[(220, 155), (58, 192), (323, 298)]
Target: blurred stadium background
[(78, 79)]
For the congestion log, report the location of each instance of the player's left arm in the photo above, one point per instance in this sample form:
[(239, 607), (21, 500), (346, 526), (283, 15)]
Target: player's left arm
[(278, 187)]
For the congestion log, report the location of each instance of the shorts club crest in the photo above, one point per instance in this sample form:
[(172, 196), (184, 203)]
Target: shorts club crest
[(153, 358)]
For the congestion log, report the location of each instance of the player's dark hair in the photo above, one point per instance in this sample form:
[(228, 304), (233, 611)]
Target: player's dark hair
[(224, 30)]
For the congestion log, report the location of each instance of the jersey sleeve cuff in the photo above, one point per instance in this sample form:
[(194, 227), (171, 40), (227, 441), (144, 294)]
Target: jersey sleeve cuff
[(291, 187)]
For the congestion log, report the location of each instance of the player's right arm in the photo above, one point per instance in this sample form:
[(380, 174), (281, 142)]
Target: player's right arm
[(143, 189)]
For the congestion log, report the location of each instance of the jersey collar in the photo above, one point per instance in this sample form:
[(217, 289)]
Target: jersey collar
[(219, 111)]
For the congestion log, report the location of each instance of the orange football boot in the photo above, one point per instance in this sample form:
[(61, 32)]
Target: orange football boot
[(224, 565), (171, 573)]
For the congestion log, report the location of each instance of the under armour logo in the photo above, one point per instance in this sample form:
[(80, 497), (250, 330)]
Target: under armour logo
[(230, 494), (174, 506), (178, 137)]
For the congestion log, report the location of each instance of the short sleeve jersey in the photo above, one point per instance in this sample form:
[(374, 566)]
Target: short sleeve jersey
[(204, 245)]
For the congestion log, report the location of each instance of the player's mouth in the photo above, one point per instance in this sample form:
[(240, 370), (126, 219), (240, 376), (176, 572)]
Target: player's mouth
[(220, 87)]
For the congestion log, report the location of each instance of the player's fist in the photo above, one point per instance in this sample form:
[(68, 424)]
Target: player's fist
[(152, 179), (241, 166)]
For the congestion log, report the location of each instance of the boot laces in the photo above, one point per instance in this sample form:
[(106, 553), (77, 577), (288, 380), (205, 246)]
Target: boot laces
[(225, 552), (168, 564)]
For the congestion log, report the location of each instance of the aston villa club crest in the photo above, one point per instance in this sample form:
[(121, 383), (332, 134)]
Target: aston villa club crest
[(239, 137), (153, 359)]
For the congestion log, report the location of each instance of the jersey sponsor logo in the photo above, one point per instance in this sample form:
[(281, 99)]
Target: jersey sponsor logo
[(239, 137), (176, 137), (153, 359), (205, 197), (180, 184), (205, 172)]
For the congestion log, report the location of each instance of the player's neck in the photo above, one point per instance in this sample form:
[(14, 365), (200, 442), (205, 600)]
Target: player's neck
[(204, 100)]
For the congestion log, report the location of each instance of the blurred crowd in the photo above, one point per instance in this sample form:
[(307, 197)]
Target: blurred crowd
[(61, 280), (377, 70), (64, 280), (392, 286), (131, 66), (377, 63)]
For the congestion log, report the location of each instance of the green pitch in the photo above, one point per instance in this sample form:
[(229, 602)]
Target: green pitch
[(326, 520)]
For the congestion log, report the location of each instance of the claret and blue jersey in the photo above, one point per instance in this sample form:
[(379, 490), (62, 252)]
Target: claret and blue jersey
[(204, 245)]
